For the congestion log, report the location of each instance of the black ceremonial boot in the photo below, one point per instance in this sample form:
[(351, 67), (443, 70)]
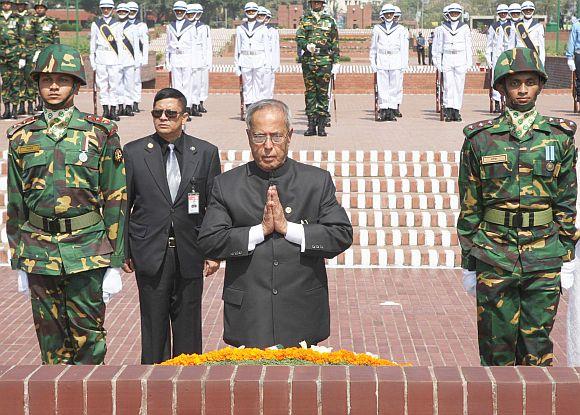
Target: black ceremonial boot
[(322, 126), (113, 114), (129, 110), (106, 113), (311, 126), (201, 108)]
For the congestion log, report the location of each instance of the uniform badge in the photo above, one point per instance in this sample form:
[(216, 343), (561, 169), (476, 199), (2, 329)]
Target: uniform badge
[(498, 158), (83, 157), (118, 156), (33, 148), (550, 153), (550, 166), (288, 209)]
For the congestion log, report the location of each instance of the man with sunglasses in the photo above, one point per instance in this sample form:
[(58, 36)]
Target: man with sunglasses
[(274, 221), (169, 179)]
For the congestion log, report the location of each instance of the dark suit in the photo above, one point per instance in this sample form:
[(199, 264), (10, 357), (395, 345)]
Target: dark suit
[(275, 294), (170, 279)]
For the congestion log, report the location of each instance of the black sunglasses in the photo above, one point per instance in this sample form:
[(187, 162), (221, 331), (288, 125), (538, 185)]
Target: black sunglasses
[(171, 114)]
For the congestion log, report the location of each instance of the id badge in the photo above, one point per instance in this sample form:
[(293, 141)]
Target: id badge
[(193, 203)]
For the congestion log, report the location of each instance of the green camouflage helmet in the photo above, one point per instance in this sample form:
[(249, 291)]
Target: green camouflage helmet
[(40, 3), (518, 60), (60, 59)]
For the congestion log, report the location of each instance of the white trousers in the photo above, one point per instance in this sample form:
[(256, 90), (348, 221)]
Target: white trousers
[(108, 79), (204, 84), (495, 95), (573, 318), (269, 83), (181, 80), (390, 88), (128, 85), (254, 88), (138, 84), (454, 83), (195, 85)]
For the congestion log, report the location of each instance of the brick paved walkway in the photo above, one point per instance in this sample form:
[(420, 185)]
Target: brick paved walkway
[(426, 318)]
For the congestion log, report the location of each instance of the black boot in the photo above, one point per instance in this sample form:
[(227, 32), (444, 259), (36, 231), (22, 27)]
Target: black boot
[(30, 108), (136, 107), (328, 122), (113, 114), (15, 111), (447, 114), (322, 126), (129, 110), (106, 113), (21, 109), (398, 112), (120, 111), (7, 113), (195, 111), (311, 126), (457, 116), (201, 108), (382, 115)]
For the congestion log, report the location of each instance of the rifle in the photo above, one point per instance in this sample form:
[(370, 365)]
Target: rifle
[(441, 87), (94, 92), (490, 79), (334, 97), (576, 103), (170, 80), (242, 106), (376, 87), (437, 89)]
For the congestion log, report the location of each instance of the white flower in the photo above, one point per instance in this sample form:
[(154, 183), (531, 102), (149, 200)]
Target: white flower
[(303, 344), (242, 347), (321, 349), (374, 356)]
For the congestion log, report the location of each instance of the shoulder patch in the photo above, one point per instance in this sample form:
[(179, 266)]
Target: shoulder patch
[(104, 123), (568, 126), (13, 129), (476, 127)]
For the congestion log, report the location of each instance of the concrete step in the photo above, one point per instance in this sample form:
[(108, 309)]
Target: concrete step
[(399, 201), (396, 185), (433, 257), (402, 218), (404, 237)]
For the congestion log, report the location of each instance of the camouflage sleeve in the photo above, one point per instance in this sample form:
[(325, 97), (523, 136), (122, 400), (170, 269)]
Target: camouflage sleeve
[(113, 188), (564, 205), (470, 197), (16, 210), (333, 43), (22, 51), (301, 35)]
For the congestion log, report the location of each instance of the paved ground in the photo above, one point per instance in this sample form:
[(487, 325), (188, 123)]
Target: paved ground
[(429, 319), (419, 129)]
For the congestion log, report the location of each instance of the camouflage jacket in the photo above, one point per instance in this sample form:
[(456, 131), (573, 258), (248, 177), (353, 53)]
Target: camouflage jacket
[(46, 31), (532, 174), (11, 42), (323, 33), (27, 33), (51, 179)]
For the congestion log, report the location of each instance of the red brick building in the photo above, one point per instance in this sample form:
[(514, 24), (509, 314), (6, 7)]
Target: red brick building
[(289, 15), (359, 16)]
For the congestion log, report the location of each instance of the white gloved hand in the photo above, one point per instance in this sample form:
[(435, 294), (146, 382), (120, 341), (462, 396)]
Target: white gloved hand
[(335, 69), (35, 57), (167, 66), (311, 47), (23, 283), (112, 283), (567, 274), (571, 64), (21, 63), (469, 281), (238, 71)]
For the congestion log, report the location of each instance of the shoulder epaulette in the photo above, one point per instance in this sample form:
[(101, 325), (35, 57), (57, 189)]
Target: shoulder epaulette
[(104, 123), (476, 127), (13, 129), (568, 126)]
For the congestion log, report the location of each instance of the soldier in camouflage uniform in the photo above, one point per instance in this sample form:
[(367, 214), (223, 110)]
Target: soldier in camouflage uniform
[(66, 202), (12, 56), (26, 91), (317, 39), (517, 184), (46, 33)]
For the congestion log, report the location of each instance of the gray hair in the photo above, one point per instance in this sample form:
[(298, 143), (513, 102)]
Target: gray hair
[(269, 103)]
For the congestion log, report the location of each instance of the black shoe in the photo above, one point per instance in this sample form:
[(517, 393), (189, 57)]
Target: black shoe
[(195, 111), (391, 115), (21, 109), (322, 127), (382, 115), (113, 114), (15, 111), (398, 113), (120, 111), (311, 126), (30, 108), (106, 112), (136, 107), (457, 116), (447, 114), (129, 111), (201, 108)]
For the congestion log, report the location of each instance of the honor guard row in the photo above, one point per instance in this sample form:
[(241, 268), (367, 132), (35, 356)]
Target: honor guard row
[(188, 56), (23, 34), (119, 47)]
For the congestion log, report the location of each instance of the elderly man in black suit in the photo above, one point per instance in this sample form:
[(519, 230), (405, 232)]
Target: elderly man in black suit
[(169, 179), (274, 221)]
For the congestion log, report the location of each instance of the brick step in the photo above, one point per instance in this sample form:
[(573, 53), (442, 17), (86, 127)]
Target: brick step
[(387, 185), (395, 169), (399, 201), (355, 155), (401, 218), (399, 257), (391, 237)]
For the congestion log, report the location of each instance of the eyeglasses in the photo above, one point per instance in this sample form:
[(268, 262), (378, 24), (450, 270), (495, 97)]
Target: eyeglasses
[(171, 114), (276, 138)]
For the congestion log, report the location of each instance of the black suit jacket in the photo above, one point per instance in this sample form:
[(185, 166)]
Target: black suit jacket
[(275, 294), (150, 211)]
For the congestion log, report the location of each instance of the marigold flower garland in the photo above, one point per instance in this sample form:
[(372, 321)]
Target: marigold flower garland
[(290, 356)]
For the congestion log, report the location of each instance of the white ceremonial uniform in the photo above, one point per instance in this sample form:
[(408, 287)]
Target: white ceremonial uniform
[(252, 59), (436, 53), (389, 54), (179, 55), (535, 31), (495, 46), (453, 57), (274, 61), (207, 62), (144, 53), (104, 59), (130, 58), (198, 60)]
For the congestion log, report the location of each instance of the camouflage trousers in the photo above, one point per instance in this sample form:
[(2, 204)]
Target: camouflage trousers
[(515, 315), (10, 82), (316, 83), (27, 90), (69, 313)]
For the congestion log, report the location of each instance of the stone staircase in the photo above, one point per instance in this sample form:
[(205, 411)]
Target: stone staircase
[(403, 205)]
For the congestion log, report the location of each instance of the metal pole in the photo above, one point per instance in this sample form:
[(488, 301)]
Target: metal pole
[(67, 9), (77, 21), (558, 30)]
